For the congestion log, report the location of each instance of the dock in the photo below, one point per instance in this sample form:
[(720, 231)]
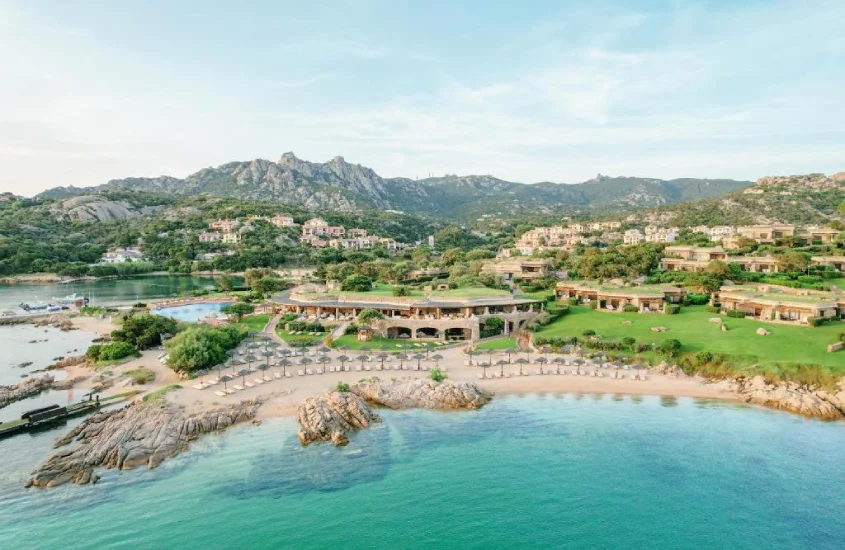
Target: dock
[(54, 413)]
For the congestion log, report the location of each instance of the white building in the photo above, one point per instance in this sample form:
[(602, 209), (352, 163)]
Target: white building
[(122, 256)]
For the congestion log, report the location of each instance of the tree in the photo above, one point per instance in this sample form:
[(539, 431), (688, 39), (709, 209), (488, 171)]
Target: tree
[(201, 347), (670, 347), (703, 280), (238, 310), (144, 331), (225, 283), (369, 315), (841, 208), (400, 291), (794, 261), (357, 283)]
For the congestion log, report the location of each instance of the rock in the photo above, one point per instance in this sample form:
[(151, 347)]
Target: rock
[(69, 383), (137, 435), (27, 388), (333, 416), (659, 329), (763, 332), (792, 397), (663, 368), (835, 347), (724, 327), (67, 362), (714, 320)]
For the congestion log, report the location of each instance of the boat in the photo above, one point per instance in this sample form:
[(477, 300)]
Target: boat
[(38, 306), (71, 300)]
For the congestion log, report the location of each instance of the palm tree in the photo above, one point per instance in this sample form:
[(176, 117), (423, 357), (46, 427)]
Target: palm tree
[(521, 361), (436, 358)]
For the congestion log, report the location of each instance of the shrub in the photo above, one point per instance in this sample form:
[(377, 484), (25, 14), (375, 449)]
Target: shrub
[(357, 283), (594, 304), (572, 301), (139, 305), (143, 330), (401, 291), (116, 350), (736, 313), (672, 309), (351, 328), (201, 347), (369, 315), (703, 357), (630, 308), (341, 387), (141, 376), (713, 309), (238, 310), (628, 341), (670, 347), (696, 299), (437, 375), (816, 321), (589, 332), (93, 352)]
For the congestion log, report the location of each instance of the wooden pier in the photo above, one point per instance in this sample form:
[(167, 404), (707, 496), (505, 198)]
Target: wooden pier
[(55, 413)]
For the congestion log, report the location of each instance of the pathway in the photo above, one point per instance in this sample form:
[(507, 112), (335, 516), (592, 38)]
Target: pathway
[(270, 330)]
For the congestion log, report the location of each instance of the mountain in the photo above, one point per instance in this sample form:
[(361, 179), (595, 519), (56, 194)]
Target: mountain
[(342, 186), (800, 199)]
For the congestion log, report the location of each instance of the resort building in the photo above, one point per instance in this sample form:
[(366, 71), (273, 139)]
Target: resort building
[(210, 237), (313, 241), (773, 303), (318, 227), (821, 235), (833, 262), (766, 234), (446, 315), (662, 235), (690, 258), (518, 268), (231, 238), (757, 264), (632, 237), (610, 297), (716, 233), (280, 220), (122, 256), (224, 225)]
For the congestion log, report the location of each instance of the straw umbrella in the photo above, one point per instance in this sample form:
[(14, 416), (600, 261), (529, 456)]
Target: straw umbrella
[(363, 357), (284, 363), (542, 361), (364, 348), (305, 361), (436, 358), (200, 374), (323, 360), (429, 347), (225, 378), (501, 363), (343, 359), (324, 350), (471, 353), (521, 361), (243, 374), (485, 366), (419, 357), (263, 368), (558, 361), (249, 360), (527, 351), (382, 357), (268, 355), (511, 351), (402, 358)]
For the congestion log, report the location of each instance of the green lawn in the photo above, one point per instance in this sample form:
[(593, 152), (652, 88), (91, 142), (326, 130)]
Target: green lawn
[(288, 337), (382, 290), (786, 344), (256, 323), (375, 343), (838, 282), (498, 343)]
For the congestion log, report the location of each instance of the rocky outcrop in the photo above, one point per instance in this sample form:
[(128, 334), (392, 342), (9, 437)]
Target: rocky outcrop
[(137, 435), (94, 208), (422, 393), (332, 417), (24, 390), (335, 415), (792, 397)]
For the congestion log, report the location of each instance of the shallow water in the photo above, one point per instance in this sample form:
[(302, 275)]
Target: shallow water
[(191, 313), (585, 471)]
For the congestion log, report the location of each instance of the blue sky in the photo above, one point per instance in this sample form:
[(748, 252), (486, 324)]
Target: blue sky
[(528, 92)]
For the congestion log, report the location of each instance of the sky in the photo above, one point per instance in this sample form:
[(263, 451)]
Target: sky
[(529, 91)]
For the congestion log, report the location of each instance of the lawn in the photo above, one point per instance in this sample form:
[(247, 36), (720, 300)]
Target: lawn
[(255, 323), (375, 343), (383, 290), (288, 337), (498, 343), (838, 282), (786, 344)]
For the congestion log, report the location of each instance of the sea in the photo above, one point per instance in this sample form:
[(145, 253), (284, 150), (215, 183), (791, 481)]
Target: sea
[(527, 471)]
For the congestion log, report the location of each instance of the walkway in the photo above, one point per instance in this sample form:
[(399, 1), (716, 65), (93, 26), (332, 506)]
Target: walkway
[(270, 330)]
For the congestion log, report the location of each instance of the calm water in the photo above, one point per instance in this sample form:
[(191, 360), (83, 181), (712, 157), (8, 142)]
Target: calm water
[(191, 313), (535, 471), (108, 291)]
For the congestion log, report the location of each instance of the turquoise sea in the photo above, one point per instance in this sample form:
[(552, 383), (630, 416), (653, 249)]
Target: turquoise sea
[(562, 471)]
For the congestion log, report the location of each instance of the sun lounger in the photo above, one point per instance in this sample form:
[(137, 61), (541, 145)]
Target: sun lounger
[(258, 381), (480, 376), (309, 372), (249, 384), (220, 393), (368, 367), (238, 387), (229, 391), (199, 386), (288, 375), (300, 373), (277, 375), (319, 371)]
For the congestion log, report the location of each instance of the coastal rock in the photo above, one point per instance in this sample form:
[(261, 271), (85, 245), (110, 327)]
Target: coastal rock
[(664, 368), (67, 362), (137, 435), (24, 390), (792, 397), (332, 416), (68, 384), (422, 393)]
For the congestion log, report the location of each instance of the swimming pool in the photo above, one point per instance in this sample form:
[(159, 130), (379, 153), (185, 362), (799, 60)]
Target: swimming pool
[(191, 313)]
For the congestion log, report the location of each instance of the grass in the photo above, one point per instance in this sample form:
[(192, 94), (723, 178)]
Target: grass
[(498, 344), (375, 343), (288, 337), (383, 290), (838, 282), (256, 323), (787, 345), (158, 395), (140, 376)]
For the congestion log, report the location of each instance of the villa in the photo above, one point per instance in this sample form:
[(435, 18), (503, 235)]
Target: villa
[(231, 238), (823, 235), (690, 258), (433, 315), (210, 237), (773, 303), (610, 297), (834, 262), (122, 256), (758, 264), (318, 227), (518, 268), (766, 234), (224, 225), (633, 237), (282, 221)]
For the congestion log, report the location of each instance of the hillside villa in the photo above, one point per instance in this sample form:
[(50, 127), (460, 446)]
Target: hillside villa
[(122, 256), (433, 315), (775, 303), (612, 297), (690, 258), (833, 262), (519, 268)]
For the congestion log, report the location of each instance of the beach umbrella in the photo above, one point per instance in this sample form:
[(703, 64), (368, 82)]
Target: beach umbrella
[(382, 357), (343, 348), (286, 352), (511, 351), (243, 374), (545, 350), (384, 347), (419, 357), (471, 353), (225, 378), (249, 360), (227, 363), (305, 361), (323, 360), (252, 334), (324, 350), (362, 358), (429, 347), (285, 363), (365, 347), (200, 373), (528, 353), (402, 358), (501, 363), (268, 355), (521, 361), (436, 358), (263, 368), (343, 359), (543, 361), (559, 361)]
